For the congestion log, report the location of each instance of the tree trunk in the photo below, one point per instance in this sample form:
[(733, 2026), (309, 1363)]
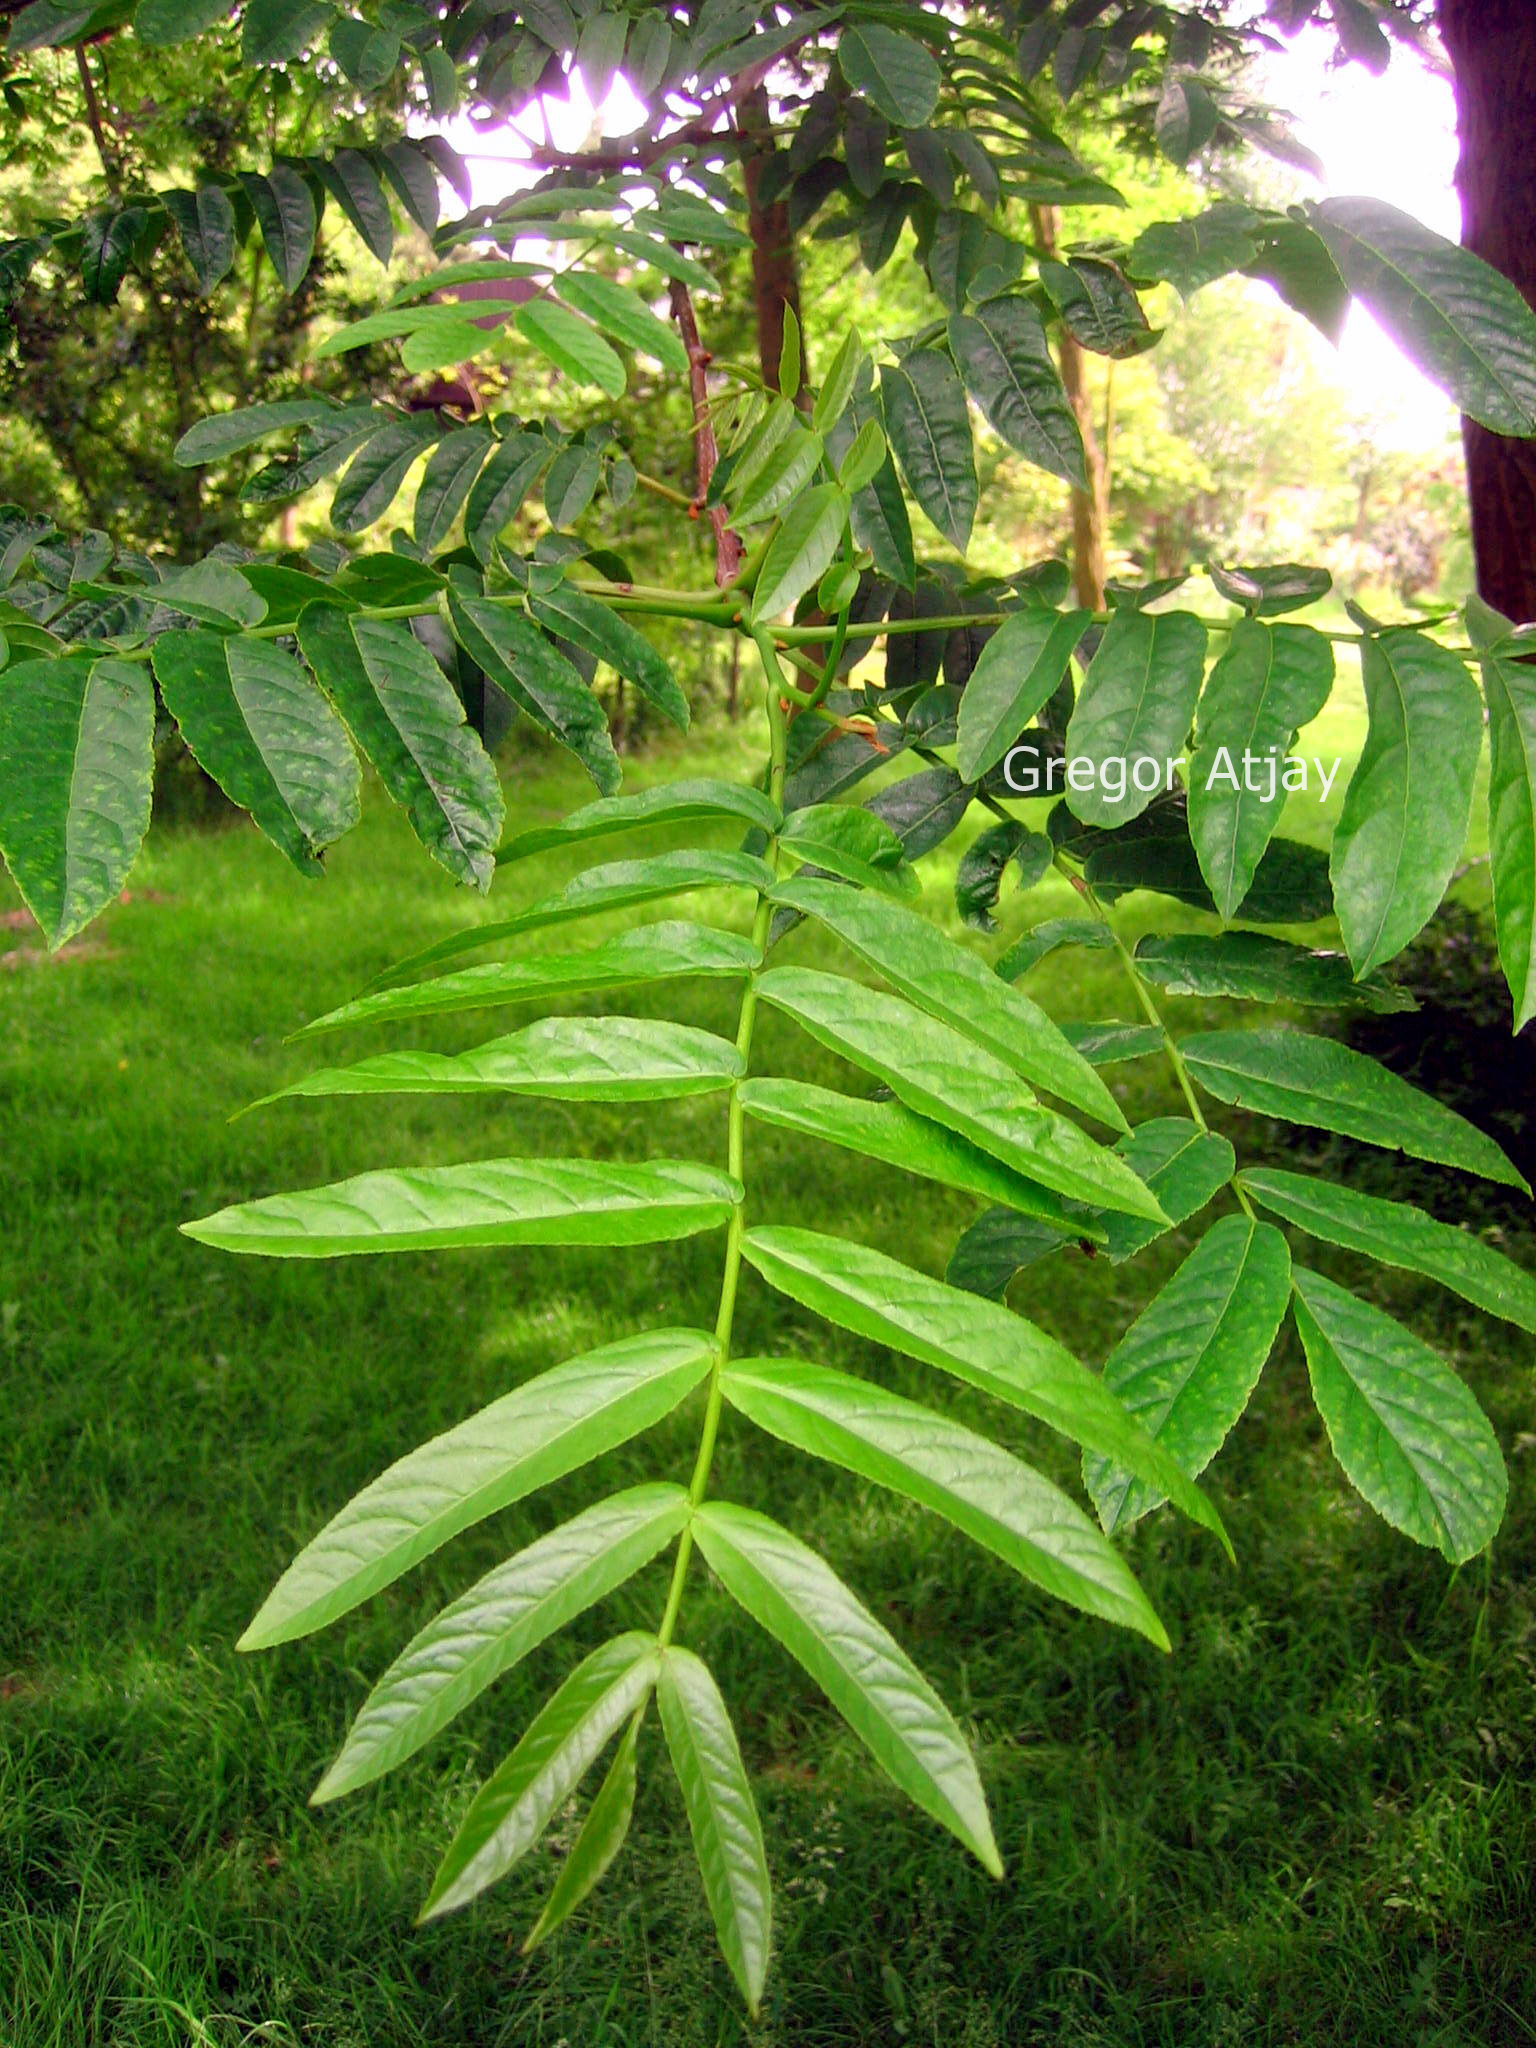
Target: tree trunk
[(1492, 47), (1090, 507), (775, 272)]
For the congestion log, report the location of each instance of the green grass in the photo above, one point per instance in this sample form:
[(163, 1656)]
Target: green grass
[(1311, 1824)]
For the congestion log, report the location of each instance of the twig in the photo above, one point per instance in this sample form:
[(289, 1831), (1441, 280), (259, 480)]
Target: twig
[(706, 451), (111, 167)]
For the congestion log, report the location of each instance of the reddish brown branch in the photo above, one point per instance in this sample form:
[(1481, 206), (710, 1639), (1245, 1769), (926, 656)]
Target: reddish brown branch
[(706, 453)]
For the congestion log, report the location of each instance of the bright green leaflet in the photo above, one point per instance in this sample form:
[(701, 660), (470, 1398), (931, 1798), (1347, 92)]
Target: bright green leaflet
[(494, 1201), (492, 1627), (566, 1059), (984, 1490), (522, 1441)]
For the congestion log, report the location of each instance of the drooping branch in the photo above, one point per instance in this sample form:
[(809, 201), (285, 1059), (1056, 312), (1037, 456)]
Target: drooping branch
[(706, 453)]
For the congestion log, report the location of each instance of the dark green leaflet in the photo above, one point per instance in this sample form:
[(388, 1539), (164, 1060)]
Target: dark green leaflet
[(1190, 1361), (1510, 689), (267, 737), (1008, 368), (1310, 1080), (402, 711), (1404, 1428), (1257, 968), (539, 680), (928, 427), (76, 763), (1404, 823), (1464, 324), (1269, 681), (1398, 1234), (1135, 706)]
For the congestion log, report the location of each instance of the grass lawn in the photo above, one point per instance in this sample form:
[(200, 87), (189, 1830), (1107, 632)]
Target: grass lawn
[(1312, 1824)]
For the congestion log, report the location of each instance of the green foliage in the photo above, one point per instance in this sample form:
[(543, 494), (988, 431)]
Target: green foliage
[(280, 672)]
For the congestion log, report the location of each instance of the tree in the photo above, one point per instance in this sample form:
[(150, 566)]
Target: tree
[(856, 128), (1492, 47)]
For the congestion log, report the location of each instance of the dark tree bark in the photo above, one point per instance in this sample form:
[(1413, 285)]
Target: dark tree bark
[(1492, 48), (775, 271)]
